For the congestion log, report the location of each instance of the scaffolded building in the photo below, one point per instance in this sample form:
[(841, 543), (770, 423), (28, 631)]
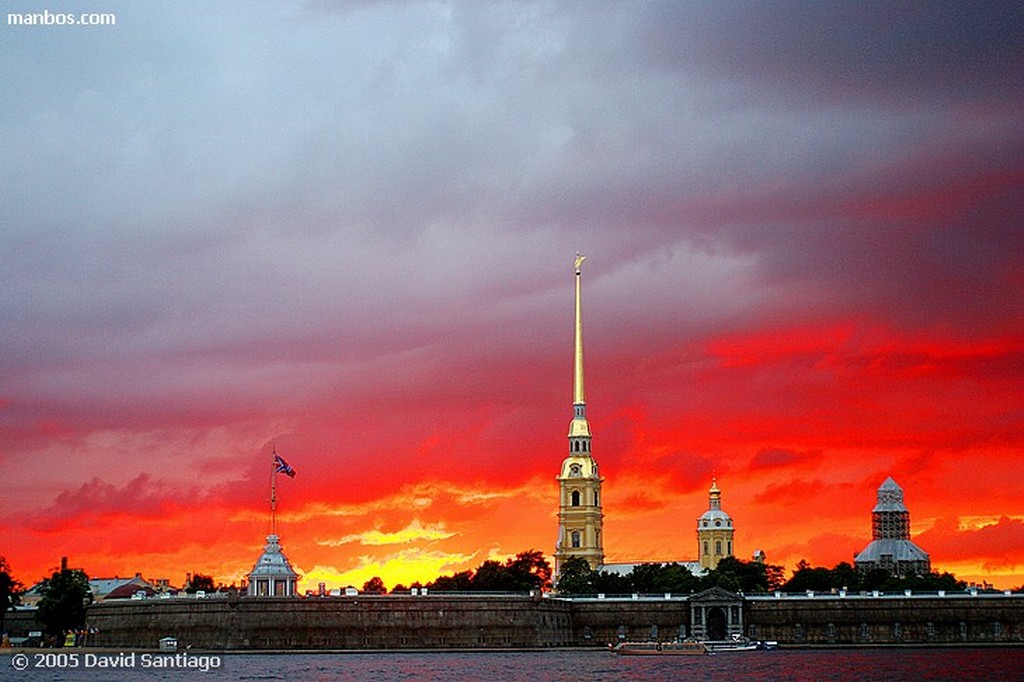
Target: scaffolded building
[(890, 548)]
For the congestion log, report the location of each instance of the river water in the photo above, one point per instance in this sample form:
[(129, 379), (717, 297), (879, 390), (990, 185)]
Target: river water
[(928, 664)]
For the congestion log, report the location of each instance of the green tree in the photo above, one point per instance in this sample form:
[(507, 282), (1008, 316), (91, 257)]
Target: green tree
[(491, 576), (845, 576), (933, 582), (776, 576), (678, 579), (65, 595), (459, 582), (525, 572), (576, 577), (375, 586), (529, 570), (199, 582), (646, 578), (807, 577), (10, 591), (876, 579), (749, 577), (606, 582)]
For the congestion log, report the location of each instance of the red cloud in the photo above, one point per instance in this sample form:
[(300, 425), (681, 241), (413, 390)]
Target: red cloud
[(141, 497), (774, 458), (994, 545)]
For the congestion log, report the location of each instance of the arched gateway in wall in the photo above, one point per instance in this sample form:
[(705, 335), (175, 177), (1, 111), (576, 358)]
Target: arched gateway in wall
[(716, 614)]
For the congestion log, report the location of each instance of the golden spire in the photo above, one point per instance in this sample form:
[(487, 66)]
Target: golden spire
[(578, 396), (579, 425), (714, 495)]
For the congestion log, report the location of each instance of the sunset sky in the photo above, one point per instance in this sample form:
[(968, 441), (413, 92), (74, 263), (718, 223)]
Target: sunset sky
[(347, 229)]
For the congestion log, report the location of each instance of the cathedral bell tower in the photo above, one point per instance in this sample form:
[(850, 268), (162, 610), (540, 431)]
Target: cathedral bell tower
[(714, 530), (579, 483)]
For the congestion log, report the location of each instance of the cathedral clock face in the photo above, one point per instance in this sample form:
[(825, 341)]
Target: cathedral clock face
[(575, 470)]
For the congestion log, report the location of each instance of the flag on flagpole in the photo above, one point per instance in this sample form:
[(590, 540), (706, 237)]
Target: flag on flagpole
[(283, 467)]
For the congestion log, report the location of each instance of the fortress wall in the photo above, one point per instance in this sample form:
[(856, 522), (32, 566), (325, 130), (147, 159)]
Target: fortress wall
[(404, 622), (359, 622), (606, 621), (866, 620)]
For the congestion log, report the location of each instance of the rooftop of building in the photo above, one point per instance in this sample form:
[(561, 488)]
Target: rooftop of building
[(897, 549)]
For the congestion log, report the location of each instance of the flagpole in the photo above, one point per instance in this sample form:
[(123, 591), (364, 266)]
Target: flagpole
[(273, 493)]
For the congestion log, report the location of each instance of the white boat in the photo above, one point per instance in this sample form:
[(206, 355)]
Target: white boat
[(685, 648), (739, 643)]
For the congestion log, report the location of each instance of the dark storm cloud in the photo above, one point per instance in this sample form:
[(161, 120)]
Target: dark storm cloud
[(350, 226), (773, 458), (894, 53), (142, 496), (259, 183)]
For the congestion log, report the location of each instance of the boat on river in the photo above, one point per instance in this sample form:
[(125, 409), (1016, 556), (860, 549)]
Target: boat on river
[(684, 648), (739, 643)]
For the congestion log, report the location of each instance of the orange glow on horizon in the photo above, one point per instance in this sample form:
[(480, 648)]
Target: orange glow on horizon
[(799, 426)]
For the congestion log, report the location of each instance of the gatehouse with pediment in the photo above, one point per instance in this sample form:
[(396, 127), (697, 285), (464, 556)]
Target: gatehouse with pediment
[(716, 615)]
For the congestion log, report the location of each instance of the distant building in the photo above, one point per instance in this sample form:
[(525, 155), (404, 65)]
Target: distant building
[(580, 518), (714, 531), (100, 589), (273, 575), (890, 548), (625, 569), (163, 585), (31, 597), (120, 588)]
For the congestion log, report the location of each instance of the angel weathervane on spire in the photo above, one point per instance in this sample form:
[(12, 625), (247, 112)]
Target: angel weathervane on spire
[(579, 260)]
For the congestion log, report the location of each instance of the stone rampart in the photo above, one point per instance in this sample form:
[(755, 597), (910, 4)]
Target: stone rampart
[(356, 622), (868, 619), (605, 621), (467, 622)]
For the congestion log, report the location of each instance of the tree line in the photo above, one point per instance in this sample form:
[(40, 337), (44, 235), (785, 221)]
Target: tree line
[(735, 575), (748, 577), (844, 576), (525, 572)]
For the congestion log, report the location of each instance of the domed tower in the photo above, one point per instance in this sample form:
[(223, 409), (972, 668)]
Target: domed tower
[(579, 508), (273, 575), (714, 530), (891, 548)]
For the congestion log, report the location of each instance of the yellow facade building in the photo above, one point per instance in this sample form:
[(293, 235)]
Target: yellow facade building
[(714, 531)]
